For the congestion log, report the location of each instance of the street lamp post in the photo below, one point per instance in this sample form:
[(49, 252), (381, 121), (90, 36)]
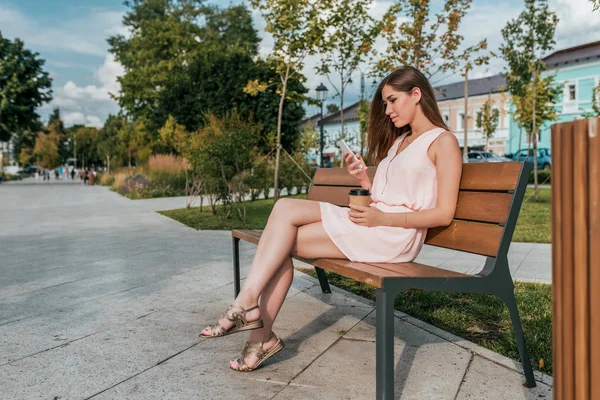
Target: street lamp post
[(321, 97)]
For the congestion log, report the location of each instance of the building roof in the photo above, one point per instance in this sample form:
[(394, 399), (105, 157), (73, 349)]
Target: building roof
[(574, 55), (350, 114), (477, 87)]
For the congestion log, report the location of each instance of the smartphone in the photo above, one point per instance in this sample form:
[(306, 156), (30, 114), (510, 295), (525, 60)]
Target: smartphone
[(346, 149)]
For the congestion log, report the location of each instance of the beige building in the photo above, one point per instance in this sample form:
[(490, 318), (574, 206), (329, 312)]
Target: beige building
[(451, 103)]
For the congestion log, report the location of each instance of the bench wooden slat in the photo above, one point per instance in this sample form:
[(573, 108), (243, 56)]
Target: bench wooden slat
[(471, 237), (365, 273), (338, 176), (490, 176), (473, 206), (337, 195), (483, 206), (417, 270), (497, 177), (248, 235)]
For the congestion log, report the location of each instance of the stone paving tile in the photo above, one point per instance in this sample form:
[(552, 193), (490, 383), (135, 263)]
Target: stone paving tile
[(490, 381)]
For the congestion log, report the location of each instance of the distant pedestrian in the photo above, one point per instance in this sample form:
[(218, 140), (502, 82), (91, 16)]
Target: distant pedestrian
[(73, 174), (84, 176)]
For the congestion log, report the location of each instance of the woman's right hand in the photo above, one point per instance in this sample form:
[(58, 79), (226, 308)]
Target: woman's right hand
[(354, 170)]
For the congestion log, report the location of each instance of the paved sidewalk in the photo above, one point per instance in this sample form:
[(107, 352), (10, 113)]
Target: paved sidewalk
[(103, 298)]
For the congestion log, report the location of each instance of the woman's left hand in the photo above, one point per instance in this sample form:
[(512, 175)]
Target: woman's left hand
[(366, 216)]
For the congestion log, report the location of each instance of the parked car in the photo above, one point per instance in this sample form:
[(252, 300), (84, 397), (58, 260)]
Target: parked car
[(485, 156), (544, 157)]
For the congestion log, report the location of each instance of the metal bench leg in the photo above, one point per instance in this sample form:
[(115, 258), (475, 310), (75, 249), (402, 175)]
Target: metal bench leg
[(384, 345), (323, 280), (236, 267), (511, 303)]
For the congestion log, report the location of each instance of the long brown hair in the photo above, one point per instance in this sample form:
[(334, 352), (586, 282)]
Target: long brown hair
[(381, 132)]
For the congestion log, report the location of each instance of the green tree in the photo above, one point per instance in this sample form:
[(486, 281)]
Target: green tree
[(526, 38), (46, 150), (24, 142), (107, 140), (87, 149), (348, 38), (24, 86), (163, 36), (363, 123), (297, 32), (55, 124), (432, 47), (547, 94), (184, 59), (596, 4), (332, 108), (134, 142), (487, 120)]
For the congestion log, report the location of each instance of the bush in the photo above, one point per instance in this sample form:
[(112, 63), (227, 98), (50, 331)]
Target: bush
[(544, 177), (163, 176)]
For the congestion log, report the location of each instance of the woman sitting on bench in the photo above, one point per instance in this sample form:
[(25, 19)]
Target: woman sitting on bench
[(415, 188)]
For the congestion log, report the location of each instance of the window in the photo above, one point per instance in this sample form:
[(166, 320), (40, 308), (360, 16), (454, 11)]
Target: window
[(571, 93), (460, 121), (446, 117)]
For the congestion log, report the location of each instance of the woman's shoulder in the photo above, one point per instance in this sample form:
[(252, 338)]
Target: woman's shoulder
[(446, 137)]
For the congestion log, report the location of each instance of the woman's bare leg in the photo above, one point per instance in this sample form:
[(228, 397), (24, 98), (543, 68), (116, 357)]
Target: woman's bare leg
[(311, 242), (274, 247)]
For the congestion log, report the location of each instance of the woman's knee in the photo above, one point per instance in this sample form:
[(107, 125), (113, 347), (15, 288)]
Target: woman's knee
[(297, 211)]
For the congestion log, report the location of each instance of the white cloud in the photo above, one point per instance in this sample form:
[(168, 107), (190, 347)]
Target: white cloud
[(82, 104), (73, 118), (578, 23), (86, 35)]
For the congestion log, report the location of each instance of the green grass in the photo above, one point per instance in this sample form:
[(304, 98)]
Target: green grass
[(257, 214), (482, 319), (534, 224)]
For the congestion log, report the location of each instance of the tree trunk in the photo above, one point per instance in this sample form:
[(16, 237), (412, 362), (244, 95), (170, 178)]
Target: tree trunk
[(1, 159), (520, 141), (108, 163), (534, 138), (342, 117), (465, 145), (129, 157), (279, 118)]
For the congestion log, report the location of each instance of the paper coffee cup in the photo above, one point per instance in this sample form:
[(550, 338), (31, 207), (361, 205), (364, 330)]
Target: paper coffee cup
[(360, 197)]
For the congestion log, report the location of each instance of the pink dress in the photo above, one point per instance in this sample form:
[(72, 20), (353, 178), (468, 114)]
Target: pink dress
[(403, 183)]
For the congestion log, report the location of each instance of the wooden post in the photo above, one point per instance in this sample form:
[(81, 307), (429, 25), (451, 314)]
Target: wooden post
[(576, 259)]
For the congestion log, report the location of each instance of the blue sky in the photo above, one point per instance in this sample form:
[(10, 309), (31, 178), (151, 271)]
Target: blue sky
[(71, 36)]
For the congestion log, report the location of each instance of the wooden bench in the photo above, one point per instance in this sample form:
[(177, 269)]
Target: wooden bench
[(489, 201)]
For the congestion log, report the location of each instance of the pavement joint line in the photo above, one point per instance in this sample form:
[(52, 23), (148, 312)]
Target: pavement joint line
[(476, 352), (62, 309), (76, 262), (464, 377), (42, 288), (141, 372), (340, 337), (97, 332), (522, 261), (65, 344)]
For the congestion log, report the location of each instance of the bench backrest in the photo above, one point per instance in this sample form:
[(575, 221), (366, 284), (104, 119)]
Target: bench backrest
[(489, 200)]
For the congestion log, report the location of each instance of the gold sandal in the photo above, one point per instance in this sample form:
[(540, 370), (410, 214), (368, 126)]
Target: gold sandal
[(237, 315), (256, 350)]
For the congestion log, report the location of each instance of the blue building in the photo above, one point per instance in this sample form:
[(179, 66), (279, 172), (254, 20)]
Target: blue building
[(577, 69)]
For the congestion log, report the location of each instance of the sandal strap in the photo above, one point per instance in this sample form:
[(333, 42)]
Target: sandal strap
[(237, 315), (256, 349)]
